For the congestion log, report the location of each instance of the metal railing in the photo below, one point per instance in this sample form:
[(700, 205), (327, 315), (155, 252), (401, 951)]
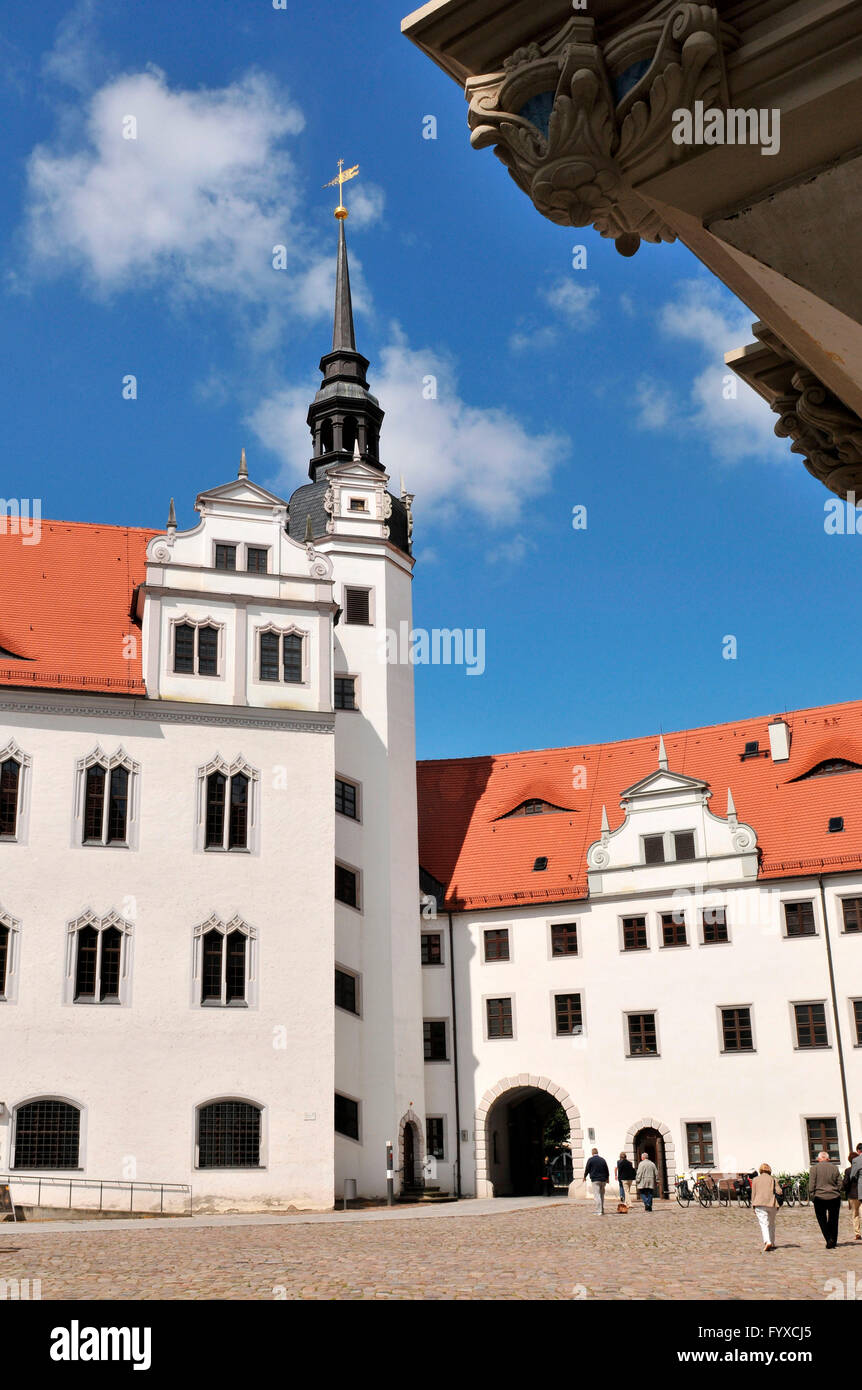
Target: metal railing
[(103, 1186)]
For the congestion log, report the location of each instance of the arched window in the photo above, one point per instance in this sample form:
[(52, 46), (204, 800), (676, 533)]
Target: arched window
[(13, 783), (229, 1134), (105, 798), (9, 928), (47, 1135), (348, 433), (326, 437), (225, 962), (98, 959), (228, 799)]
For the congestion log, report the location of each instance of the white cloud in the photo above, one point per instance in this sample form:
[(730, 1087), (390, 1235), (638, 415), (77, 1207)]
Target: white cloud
[(533, 340), (450, 452), (510, 552), (733, 426), (75, 55), (573, 302), (195, 204)]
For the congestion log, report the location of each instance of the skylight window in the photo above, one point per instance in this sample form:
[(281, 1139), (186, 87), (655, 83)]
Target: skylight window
[(540, 864)]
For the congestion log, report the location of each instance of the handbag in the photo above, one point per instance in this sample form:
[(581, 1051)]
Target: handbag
[(779, 1195), (621, 1207)]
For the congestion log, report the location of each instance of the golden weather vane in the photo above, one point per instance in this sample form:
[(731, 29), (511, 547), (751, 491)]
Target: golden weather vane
[(341, 178)]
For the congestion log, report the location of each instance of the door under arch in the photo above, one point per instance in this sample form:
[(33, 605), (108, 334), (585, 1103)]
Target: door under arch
[(522, 1132), (651, 1142)]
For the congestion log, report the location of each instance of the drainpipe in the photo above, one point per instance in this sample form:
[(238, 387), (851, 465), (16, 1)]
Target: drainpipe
[(835, 1016), (455, 1061)]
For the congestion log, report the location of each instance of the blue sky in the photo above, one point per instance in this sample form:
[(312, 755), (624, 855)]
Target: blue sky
[(556, 387)]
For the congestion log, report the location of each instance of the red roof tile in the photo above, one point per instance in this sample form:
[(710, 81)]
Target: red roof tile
[(487, 862), (64, 608)]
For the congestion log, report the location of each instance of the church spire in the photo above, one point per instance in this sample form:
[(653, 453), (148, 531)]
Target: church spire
[(343, 335)]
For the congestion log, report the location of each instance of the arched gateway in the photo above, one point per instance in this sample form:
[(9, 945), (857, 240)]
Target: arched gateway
[(509, 1122)]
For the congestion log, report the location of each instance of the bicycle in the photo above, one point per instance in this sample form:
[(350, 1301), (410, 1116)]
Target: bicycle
[(705, 1191), (800, 1191), (684, 1193), (743, 1191), (788, 1193)]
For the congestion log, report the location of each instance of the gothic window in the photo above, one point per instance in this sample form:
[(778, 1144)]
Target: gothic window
[(9, 928), (281, 656), (225, 964), (47, 1135), (14, 785), (98, 960), (228, 815), (196, 648), (105, 799), (229, 1134)]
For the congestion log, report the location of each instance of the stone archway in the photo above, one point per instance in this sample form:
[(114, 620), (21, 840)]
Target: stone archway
[(524, 1082), (416, 1141), (669, 1152)]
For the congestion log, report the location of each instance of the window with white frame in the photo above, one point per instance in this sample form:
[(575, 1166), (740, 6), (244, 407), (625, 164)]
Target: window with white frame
[(225, 964), (195, 645), (9, 929), (98, 959), (14, 793), (106, 799), (281, 655), (228, 810)]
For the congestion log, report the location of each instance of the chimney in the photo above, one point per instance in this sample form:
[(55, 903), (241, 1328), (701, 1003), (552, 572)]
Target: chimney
[(779, 740)]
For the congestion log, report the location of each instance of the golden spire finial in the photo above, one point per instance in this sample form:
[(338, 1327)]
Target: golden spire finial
[(341, 178)]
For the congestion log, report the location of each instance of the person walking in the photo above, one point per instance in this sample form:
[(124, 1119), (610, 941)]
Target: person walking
[(625, 1175), (764, 1200), (597, 1173), (646, 1181), (854, 1190), (824, 1188)]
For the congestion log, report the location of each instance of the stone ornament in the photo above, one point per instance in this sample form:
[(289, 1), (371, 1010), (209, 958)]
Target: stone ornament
[(569, 140)]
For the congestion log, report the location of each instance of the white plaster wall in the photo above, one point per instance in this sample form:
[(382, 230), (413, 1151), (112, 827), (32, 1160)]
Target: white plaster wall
[(141, 1070)]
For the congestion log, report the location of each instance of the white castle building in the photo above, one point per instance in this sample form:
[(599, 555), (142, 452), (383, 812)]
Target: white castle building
[(218, 966)]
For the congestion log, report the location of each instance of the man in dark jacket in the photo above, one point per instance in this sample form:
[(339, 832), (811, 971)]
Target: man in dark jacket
[(598, 1174), (625, 1176), (824, 1189)]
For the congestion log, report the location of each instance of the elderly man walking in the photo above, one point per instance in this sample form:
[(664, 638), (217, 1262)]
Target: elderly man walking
[(646, 1181), (854, 1194), (824, 1187), (598, 1174)]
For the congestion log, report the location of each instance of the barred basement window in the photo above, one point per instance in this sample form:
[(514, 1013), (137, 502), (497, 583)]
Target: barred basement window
[(346, 1116), (568, 1014), (736, 1031), (357, 607), (635, 934), (224, 967), (799, 919), (434, 1144), (499, 1018), (229, 1135), (431, 948), (852, 909), (713, 922), (10, 781), (673, 930), (346, 886), (345, 692), (698, 1138), (47, 1135), (434, 1039), (811, 1025), (564, 939), (345, 991), (822, 1137), (345, 798), (643, 1038), (497, 944)]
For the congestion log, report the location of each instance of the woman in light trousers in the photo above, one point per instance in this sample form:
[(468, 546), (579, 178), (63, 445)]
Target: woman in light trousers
[(765, 1203)]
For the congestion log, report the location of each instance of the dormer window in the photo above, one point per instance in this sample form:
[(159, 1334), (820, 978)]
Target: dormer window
[(541, 864), (836, 824), (195, 649), (653, 849), (281, 657), (683, 846), (358, 504), (535, 806), (256, 560), (678, 847), (753, 749), (225, 557)]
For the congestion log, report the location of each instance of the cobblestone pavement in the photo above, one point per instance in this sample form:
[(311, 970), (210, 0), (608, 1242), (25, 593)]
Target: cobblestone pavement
[(556, 1251)]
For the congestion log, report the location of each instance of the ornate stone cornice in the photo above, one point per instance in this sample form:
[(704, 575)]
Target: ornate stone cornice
[(572, 119), (165, 712), (825, 432)]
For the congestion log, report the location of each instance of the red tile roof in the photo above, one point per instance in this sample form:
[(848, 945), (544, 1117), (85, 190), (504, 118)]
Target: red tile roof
[(64, 608), (484, 861)]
